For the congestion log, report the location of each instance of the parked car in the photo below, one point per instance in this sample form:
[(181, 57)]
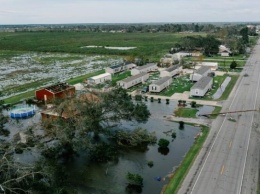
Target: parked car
[(145, 89)]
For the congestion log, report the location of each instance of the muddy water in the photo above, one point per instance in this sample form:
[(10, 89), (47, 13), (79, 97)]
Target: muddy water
[(110, 178)]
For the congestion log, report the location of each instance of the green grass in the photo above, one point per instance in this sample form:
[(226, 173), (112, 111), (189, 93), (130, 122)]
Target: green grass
[(186, 164), (19, 97), (179, 85), (186, 112), (120, 76), (229, 87), (150, 46), (216, 110)]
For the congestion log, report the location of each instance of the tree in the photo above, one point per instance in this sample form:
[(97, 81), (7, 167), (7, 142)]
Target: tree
[(244, 34), (233, 65), (134, 179), (90, 115), (163, 143), (193, 104)]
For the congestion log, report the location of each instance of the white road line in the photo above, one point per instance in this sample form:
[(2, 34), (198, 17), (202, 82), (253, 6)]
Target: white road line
[(216, 136)]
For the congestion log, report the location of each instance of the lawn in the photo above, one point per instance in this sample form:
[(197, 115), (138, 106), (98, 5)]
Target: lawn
[(215, 111), (183, 169), (186, 112), (179, 85), (120, 76)]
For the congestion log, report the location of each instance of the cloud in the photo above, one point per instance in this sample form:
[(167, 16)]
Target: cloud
[(113, 11)]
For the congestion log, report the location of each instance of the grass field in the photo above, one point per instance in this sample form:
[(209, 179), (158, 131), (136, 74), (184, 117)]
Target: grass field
[(186, 164), (151, 46), (186, 112)]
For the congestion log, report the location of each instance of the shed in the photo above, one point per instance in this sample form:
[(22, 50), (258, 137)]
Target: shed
[(60, 90), (201, 72), (100, 78), (144, 69), (201, 87), (160, 84), (133, 80), (120, 67), (171, 71)]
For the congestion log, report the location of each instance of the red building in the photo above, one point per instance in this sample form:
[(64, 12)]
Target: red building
[(61, 90)]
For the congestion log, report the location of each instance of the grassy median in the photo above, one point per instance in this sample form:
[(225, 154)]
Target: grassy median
[(183, 169)]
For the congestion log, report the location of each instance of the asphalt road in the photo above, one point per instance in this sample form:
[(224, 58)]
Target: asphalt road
[(229, 160)]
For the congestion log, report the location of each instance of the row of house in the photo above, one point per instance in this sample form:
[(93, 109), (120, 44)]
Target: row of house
[(144, 69), (120, 67)]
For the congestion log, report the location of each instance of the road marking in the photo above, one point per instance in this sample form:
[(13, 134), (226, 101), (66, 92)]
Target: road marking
[(222, 169), (230, 144)]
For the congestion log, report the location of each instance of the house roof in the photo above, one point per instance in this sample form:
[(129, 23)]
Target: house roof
[(59, 87), (172, 68), (162, 80), (202, 83), (203, 70), (146, 66), (133, 77), (100, 76)]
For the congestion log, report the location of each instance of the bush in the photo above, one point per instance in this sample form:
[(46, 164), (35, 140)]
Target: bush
[(134, 179), (173, 135), (159, 100), (233, 65), (193, 104), (163, 143), (181, 124), (150, 163)]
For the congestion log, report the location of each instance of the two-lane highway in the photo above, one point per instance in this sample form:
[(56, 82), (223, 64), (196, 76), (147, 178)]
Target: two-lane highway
[(228, 162)]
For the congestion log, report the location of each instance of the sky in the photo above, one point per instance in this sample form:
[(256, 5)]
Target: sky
[(127, 11)]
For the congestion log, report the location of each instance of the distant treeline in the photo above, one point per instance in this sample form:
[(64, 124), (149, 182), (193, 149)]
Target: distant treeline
[(128, 28)]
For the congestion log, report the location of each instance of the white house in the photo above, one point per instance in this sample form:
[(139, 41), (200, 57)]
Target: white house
[(201, 87), (201, 72), (100, 78), (171, 71), (160, 84), (120, 67), (167, 59), (133, 80), (213, 65), (224, 51), (144, 69)]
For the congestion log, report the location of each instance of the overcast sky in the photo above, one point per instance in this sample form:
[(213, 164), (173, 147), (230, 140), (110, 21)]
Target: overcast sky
[(127, 11)]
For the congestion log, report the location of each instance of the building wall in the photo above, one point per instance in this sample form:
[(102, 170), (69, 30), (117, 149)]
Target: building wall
[(131, 83), (135, 71), (170, 74), (39, 94), (201, 92), (66, 93), (196, 77), (100, 79), (159, 88)]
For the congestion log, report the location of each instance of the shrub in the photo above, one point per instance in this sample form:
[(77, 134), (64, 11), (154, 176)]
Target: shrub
[(134, 179), (193, 104), (150, 163), (233, 65), (181, 124), (163, 143), (173, 135)]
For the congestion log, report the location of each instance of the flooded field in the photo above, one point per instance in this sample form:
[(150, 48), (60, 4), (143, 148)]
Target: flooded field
[(107, 178), (23, 72)]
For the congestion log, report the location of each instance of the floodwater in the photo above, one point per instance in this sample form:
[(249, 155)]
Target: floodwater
[(110, 178), (221, 88)]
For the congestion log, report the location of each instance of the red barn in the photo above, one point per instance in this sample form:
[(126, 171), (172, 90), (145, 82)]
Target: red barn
[(61, 90)]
